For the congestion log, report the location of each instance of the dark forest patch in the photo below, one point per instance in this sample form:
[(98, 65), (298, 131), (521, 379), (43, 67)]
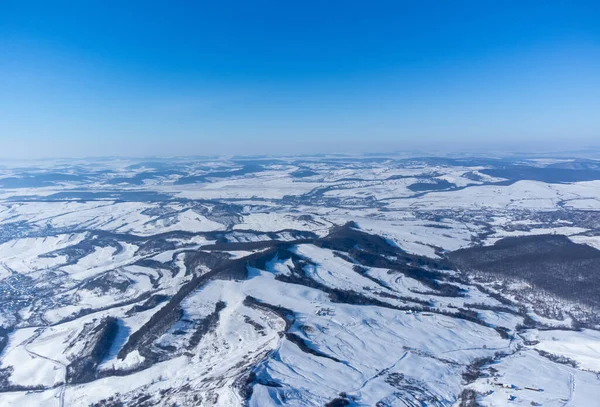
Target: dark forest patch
[(434, 185), (549, 262)]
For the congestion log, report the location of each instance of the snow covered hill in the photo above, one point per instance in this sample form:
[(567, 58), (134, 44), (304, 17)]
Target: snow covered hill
[(303, 281)]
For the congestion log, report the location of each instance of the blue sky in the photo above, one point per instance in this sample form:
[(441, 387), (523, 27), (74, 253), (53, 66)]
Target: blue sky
[(183, 77)]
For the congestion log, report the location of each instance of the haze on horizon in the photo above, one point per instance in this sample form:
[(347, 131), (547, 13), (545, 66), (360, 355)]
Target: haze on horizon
[(232, 77)]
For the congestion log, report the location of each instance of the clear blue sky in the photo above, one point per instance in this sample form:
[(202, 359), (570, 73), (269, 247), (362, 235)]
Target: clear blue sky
[(195, 77)]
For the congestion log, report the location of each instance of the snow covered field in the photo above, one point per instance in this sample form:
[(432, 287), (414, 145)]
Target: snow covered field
[(297, 281)]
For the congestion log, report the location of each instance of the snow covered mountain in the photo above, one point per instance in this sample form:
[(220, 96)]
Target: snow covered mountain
[(301, 281)]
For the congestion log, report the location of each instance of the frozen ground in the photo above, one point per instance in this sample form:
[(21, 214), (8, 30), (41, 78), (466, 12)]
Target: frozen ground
[(304, 281)]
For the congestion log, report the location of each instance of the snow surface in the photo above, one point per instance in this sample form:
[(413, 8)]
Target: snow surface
[(397, 354)]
